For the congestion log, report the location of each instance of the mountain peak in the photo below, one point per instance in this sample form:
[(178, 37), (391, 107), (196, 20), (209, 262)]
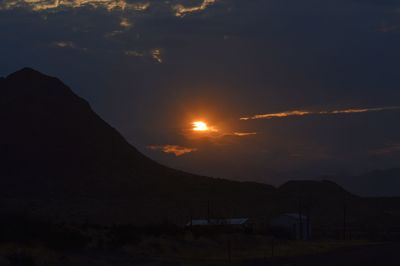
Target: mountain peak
[(52, 136), (27, 73), (29, 84), (26, 70)]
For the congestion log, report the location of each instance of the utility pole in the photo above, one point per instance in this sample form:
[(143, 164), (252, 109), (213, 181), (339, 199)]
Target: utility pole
[(191, 218), (229, 249), (272, 247), (300, 221), (308, 222), (208, 213), (344, 220)]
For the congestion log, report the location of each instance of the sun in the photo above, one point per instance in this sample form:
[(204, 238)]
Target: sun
[(200, 126)]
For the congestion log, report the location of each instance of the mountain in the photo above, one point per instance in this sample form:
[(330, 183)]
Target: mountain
[(377, 183), (60, 161), (53, 146), (52, 142), (315, 189)]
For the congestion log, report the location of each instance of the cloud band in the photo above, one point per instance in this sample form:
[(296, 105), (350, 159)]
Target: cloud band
[(331, 112)]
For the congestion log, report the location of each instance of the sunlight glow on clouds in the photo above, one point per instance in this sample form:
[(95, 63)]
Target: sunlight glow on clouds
[(40, 5), (277, 115), (244, 134), (125, 23), (201, 129), (64, 44), (156, 55), (201, 126), (332, 112), (173, 149), (68, 45), (181, 10)]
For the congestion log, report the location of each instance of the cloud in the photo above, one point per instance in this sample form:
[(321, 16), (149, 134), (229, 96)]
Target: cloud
[(331, 112), (363, 110), (156, 55), (244, 134), (173, 149), (113, 33), (125, 23), (134, 53), (41, 5), (64, 44), (68, 45), (277, 115), (202, 130), (215, 134), (181, 10)]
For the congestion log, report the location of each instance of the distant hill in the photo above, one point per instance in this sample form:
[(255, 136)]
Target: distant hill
[(59, 159), (378, 183), (315, 189)]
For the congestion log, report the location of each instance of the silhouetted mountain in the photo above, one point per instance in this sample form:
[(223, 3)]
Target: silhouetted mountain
[(51, 141), (54, 146), (315, 189), (61, 160)]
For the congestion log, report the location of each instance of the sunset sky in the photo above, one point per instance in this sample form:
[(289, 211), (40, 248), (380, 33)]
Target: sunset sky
[(260, 90)]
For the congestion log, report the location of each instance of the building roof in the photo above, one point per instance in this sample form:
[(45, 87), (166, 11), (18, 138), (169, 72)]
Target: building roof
[(205, 222)]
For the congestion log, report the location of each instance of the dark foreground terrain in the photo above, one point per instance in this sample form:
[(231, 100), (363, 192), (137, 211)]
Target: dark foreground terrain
[(386, 254), (368, 255)]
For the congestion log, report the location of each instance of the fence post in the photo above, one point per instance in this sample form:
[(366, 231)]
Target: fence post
[(229, 250), (344, 220), (272, 247)]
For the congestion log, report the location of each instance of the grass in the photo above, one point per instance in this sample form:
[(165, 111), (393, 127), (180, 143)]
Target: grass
[(229, 249), (218, 250)]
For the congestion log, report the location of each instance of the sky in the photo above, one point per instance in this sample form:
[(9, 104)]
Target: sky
[(286, 88)]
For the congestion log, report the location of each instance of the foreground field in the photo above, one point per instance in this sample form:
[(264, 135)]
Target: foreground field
[(239, 249), (367, 255)]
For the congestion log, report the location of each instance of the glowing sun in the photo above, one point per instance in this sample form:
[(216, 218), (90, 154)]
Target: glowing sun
[(200, 126)]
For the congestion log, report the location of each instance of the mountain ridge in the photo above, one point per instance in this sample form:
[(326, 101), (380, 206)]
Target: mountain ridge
[(54, 146)]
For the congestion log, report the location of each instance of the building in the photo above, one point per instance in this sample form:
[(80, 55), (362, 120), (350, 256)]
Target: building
[(230, 223), (291, 226)]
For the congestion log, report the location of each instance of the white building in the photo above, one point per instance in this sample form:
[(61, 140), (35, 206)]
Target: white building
[(234, 223)]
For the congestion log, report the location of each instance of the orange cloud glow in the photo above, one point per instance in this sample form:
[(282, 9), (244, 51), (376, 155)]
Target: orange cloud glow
[(41, 5), (244, 134), (277, 115), (202, 130), (332, 112), (201, 126), (181, 11), (125, 23), (173, 149), (157, 55)]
